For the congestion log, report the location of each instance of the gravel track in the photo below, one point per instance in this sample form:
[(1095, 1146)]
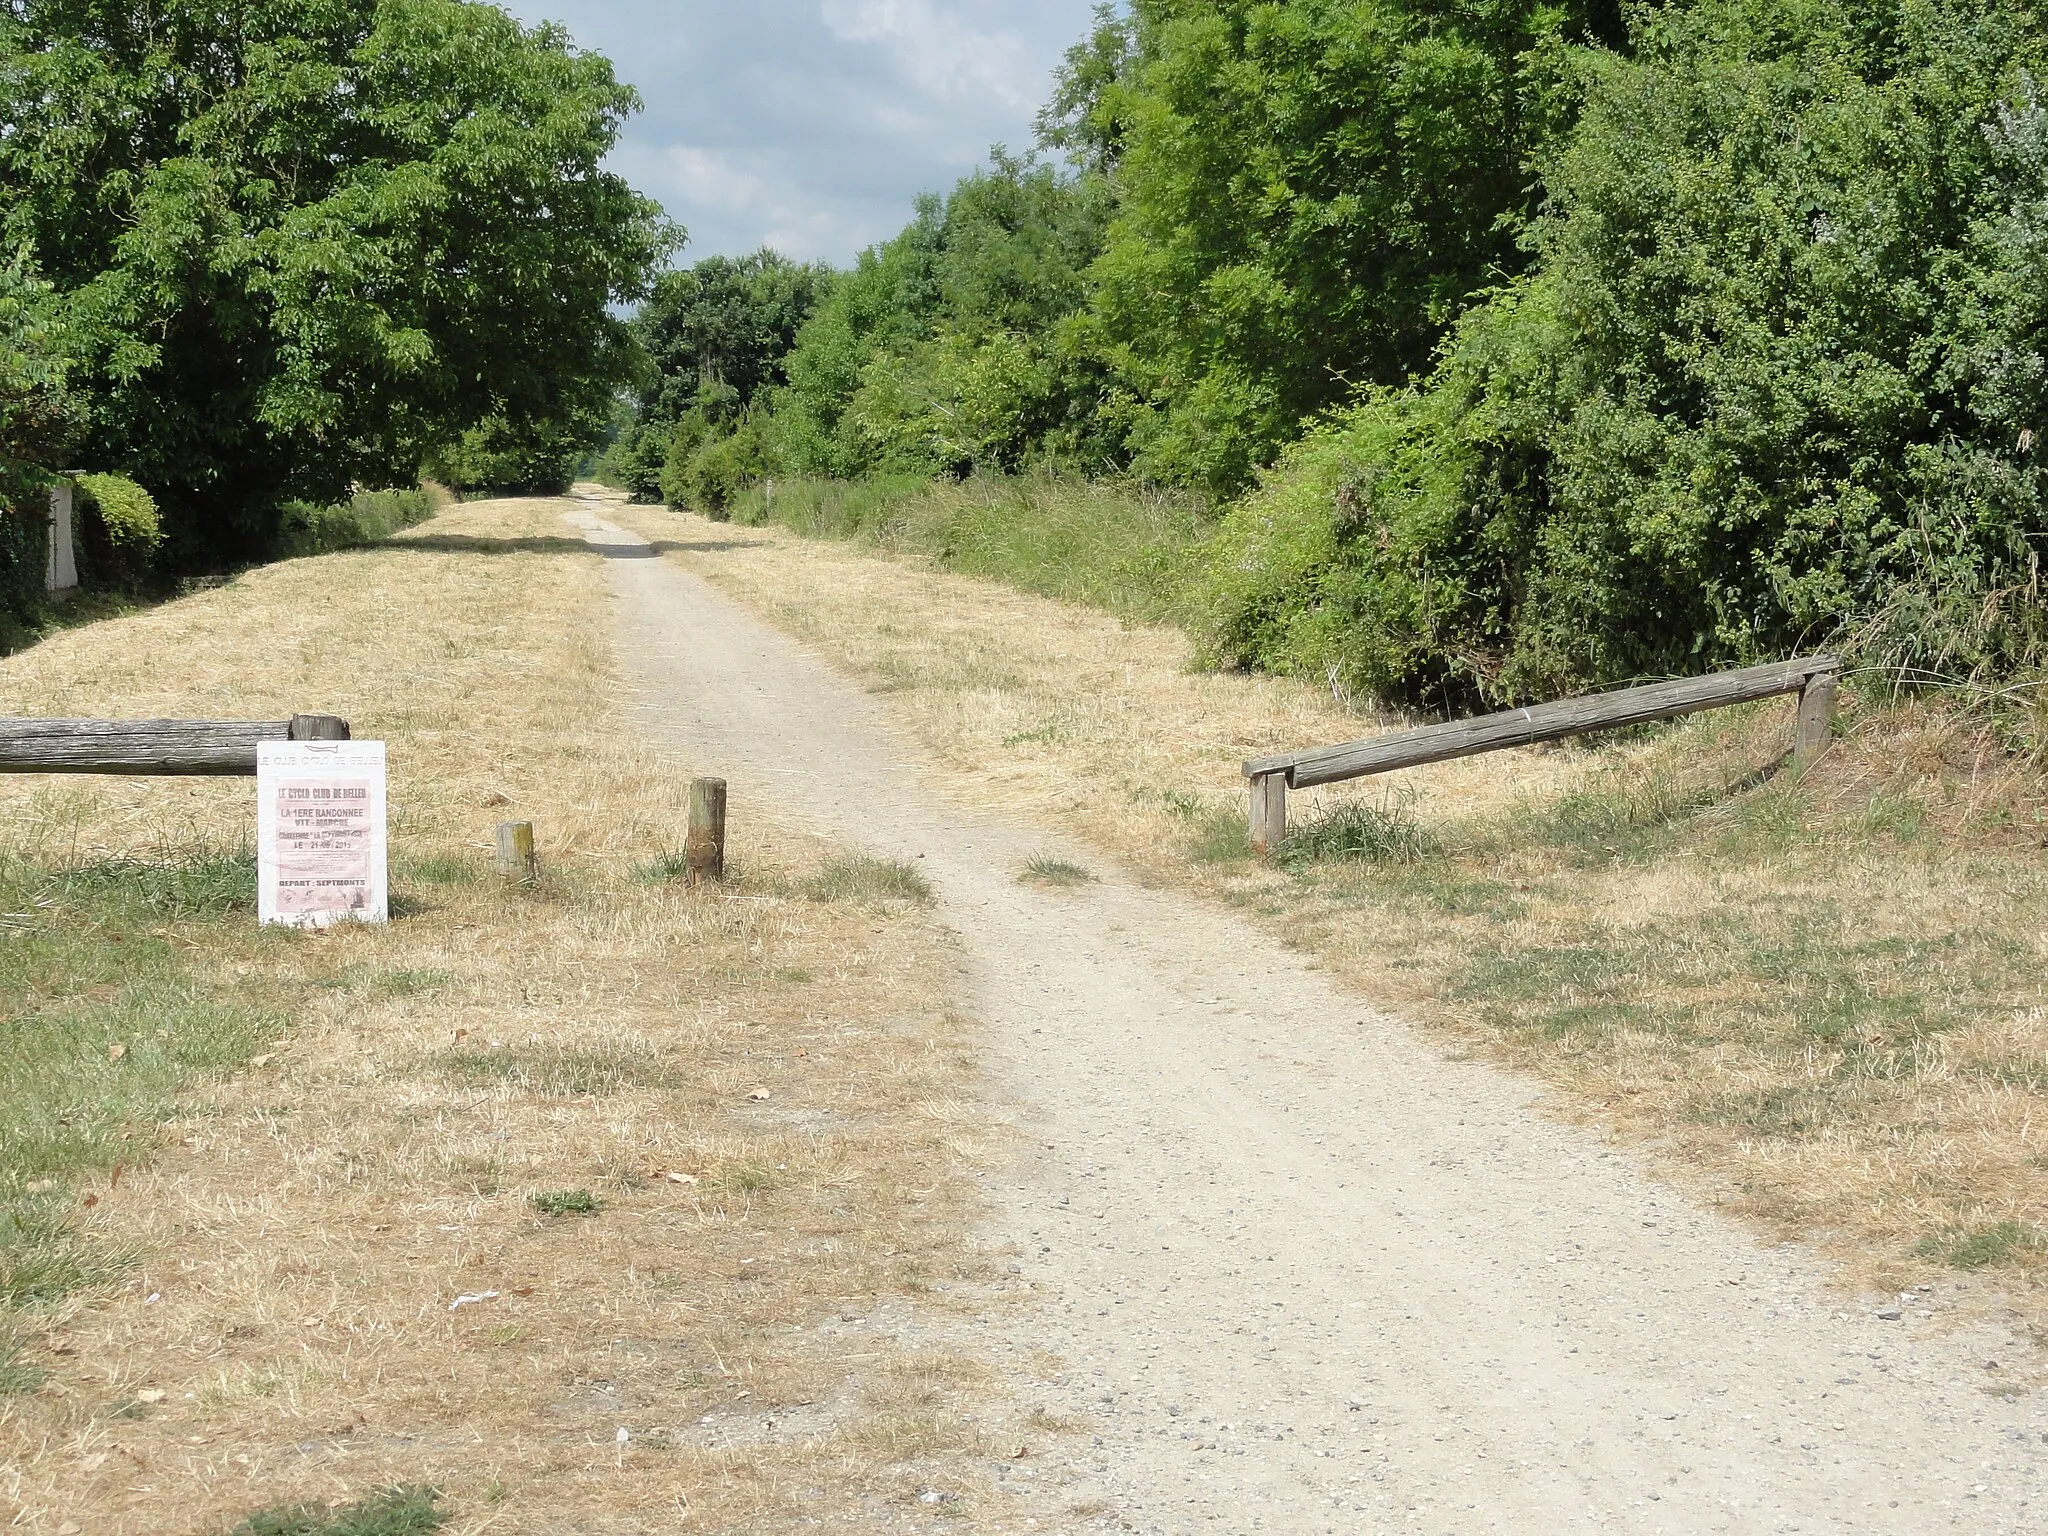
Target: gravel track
[(1301, 1272)]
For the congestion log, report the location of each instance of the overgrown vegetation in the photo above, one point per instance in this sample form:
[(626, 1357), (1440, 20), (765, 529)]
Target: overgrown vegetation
[(1774, 379), (1382, 832), (1523, 347), (868, 881), (1118, 545), (368, 517), (408, 1511)]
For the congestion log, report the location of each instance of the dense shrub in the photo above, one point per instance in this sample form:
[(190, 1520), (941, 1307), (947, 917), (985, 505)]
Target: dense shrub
[(38, 419), (365, 518), (117, 532), (497, 458), (1774, 380)]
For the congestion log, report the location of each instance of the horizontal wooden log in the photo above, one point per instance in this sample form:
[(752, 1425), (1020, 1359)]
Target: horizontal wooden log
[(217, 748), (1540, 722)]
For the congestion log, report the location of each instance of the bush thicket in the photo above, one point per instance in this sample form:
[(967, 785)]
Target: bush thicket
[(1774, 380)]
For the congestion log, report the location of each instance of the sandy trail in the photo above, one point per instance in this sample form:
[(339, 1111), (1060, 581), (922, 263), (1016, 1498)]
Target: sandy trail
[(1304, 1274)]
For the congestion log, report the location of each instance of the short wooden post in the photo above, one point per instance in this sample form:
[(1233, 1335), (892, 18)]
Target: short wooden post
[(516, 859), (704, 849), (1269, 812), (1816, 722), (319, 728)]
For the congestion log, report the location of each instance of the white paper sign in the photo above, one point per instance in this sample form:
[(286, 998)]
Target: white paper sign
[(320, 836)]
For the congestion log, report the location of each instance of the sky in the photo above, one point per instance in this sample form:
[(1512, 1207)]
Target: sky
[(811, 125)]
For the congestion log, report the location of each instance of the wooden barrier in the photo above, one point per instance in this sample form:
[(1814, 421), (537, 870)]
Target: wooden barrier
[(1811, 677), (218, 748)]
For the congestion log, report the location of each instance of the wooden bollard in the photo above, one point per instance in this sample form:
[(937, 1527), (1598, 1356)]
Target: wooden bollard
[(516, 858), (704, 850), (1816, 724), (318, 728), (1269, 812)]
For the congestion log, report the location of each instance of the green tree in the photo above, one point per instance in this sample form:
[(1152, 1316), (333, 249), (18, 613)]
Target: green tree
[(715, 335), (1307, 194), (37, 423), (1777, 378), (302, 244), (945, 349)]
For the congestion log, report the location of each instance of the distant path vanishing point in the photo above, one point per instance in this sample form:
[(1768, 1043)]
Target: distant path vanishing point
[(1302, 1273)]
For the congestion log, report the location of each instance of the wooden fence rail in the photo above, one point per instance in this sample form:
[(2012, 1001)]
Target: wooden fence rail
[(219, 748), (1811, 677)]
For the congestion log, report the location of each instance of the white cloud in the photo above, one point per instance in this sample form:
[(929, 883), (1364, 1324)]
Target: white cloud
[(943, 50), (811, 125)]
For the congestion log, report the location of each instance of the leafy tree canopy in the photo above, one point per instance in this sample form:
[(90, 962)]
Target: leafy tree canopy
[(37, 415), (1307, 194), (299, 245), (947, 347)]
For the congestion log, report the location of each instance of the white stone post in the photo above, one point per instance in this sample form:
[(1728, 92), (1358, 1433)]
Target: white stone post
[(62, 572)]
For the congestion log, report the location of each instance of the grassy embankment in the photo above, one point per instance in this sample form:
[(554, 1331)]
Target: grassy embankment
[(1120, 547), (680, 1144), (116, 583), (1822, 1002)]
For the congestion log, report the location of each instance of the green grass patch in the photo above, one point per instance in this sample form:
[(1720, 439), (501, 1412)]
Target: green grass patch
[(1385, 832), (671, 867), (1218, 834), (411, 1511), (378, 981), (1805, 977), (2004, 1243), (565, 1202), (438, 868), (1111, 544), (183, 883), (592, 1070), (745, 1179), (867, 881), (1045, 869), (109, 1013)]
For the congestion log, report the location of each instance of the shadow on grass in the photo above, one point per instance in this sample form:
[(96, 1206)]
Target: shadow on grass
[(552, 544)]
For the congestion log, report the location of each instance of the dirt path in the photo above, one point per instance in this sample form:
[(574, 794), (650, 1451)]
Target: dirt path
[(1299, 1272)]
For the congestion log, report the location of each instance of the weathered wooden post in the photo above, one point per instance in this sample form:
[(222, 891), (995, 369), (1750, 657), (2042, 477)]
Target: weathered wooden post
[(516, 859), (1816, 723), (318, 728), (704, 849), (1269, 811)]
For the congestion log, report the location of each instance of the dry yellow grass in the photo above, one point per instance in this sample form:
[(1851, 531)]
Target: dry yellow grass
[(1821, 1005), (761, 1091)]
